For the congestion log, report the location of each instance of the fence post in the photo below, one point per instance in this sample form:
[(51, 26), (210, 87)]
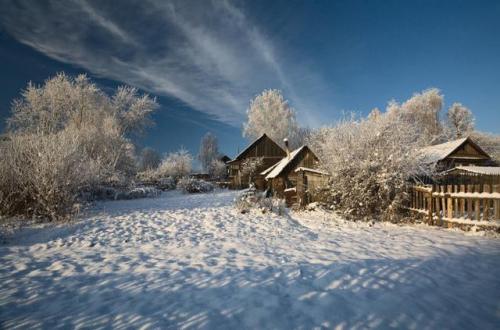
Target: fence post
[(430, 207), (437, 189), (443, 202), (497, 203), (462, 202), (469, 202), (486, 203), (450, 202)]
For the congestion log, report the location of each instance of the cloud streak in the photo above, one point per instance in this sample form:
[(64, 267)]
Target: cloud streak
[(206, 54)]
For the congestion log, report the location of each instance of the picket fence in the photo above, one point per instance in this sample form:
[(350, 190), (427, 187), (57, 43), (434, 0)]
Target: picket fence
[(469, 204)]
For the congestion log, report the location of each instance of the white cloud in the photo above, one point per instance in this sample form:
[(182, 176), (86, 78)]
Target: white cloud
[(206, 54)]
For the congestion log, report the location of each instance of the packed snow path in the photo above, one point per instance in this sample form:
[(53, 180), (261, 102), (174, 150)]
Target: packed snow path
[(182, 261)]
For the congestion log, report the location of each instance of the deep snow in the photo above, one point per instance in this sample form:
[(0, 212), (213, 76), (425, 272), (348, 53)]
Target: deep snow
[(180, 261)]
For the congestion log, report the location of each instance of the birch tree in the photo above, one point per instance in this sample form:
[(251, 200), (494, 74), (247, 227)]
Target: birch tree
[(209, 151), (460, 120), (271, 114)]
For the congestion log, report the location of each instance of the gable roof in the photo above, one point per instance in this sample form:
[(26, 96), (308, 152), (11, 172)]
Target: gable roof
[(435, 153), (280, 166), (242, 154)]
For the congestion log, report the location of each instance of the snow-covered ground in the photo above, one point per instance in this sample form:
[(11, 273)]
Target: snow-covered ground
[(181, 261)]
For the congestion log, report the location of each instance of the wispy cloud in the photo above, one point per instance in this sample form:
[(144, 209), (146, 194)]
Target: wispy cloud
[(207, 54)]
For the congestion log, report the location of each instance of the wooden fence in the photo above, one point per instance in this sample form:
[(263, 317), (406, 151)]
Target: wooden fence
[(469, 204)]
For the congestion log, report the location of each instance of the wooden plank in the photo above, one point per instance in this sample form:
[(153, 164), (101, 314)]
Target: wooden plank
[(470, 189), (455, 202), (477, 209), (423, 189), (469, 208), (486, 203), (431, 208), (462, 202), (438, 209), (497, 203), (443, 201), (450, 202)]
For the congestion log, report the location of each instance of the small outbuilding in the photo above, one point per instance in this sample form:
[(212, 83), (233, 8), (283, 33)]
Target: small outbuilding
[(295, 175), (264, 149), (461, 152)]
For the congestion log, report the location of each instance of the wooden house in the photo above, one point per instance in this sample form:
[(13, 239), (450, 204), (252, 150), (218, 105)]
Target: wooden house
[(295, 175), (263, 148), (461, 152)]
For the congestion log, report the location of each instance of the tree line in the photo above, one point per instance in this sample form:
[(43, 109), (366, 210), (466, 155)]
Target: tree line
[(67, 137)]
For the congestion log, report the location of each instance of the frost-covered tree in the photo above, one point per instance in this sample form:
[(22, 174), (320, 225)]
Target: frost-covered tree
[(176, 164), (271, 114), (132, 110), (489, 142), (374, 114), (460, 120), (422, 110), (370, 162), (150, 159), (217, 169), (65, 137), (250, 166), (209, 151)]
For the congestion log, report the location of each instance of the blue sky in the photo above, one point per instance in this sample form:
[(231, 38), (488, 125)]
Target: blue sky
[(205, 60)]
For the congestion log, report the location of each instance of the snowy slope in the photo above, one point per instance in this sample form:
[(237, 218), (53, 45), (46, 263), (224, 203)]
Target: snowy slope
[(182, 261)]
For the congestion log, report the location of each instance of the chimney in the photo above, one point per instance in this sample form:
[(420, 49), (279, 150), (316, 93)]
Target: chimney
[(287, 148)]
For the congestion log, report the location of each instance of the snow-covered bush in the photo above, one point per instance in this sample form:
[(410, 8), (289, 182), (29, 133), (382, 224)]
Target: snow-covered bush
[(152, 178), (250, 167), (116, 193), (175, 164), (41, 175), (370, 162), (64, 138), (192, 185), (252, 199), (138, 192), (167, 183)]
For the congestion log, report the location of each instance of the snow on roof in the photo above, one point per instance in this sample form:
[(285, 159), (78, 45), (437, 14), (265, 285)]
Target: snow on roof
[(312, 170), (269, 169), (439, 152), (280, 166), (486, 170)]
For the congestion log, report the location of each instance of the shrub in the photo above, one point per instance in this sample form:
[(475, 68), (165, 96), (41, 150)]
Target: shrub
[(42, 175), (175, 164), (251, 199), (370, 162), (64, 139), (192, 185), (152, 178)]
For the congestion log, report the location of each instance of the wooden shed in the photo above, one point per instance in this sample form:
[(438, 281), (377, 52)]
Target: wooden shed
[(292, 177), (461, 152), (264, 147)]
